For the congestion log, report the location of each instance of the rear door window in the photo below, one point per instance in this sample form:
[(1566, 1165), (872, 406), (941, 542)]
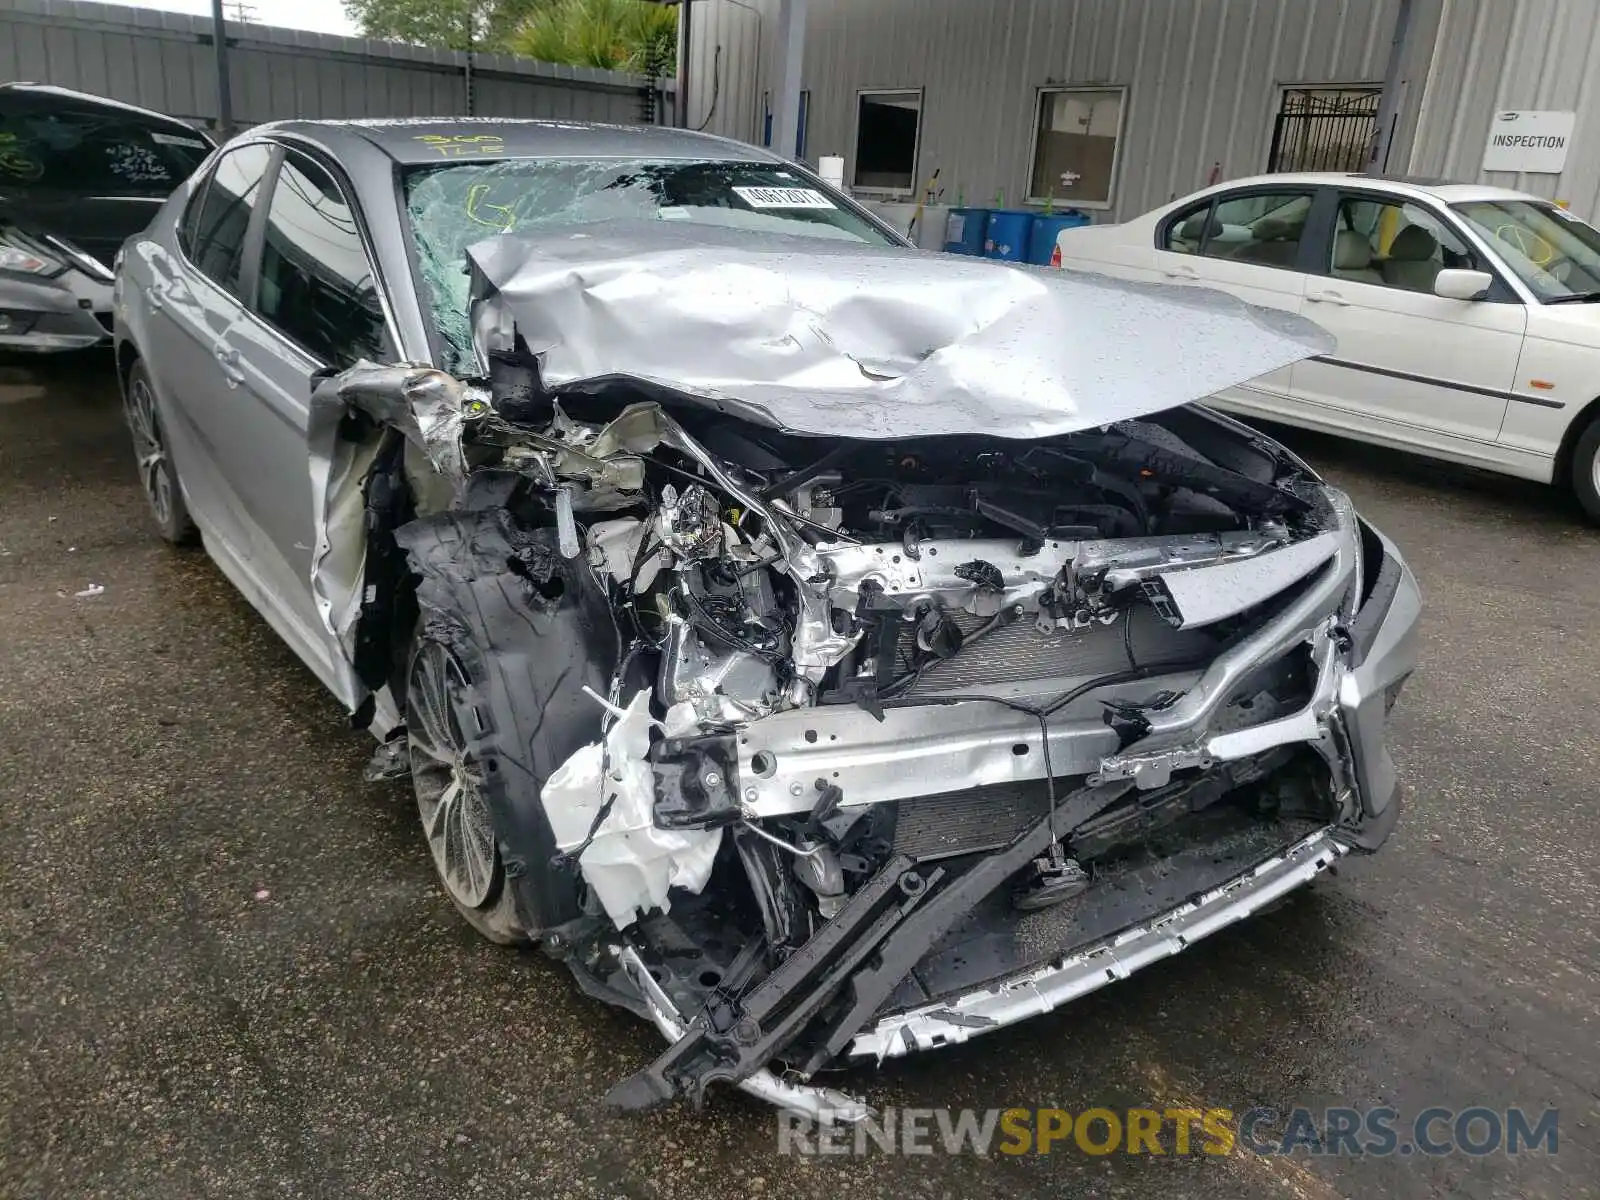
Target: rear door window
[(1185, 233), (1261, 228), (93, 153), (188, 228), (317, 284), (224, 213)]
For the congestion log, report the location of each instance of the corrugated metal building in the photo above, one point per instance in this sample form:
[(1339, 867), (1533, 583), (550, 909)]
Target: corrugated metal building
[(166, 61), (1163, 95), (1195, 87), (1492, 55)]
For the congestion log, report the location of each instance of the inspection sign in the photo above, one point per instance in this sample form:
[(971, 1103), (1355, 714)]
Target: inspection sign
[(1521, 140)]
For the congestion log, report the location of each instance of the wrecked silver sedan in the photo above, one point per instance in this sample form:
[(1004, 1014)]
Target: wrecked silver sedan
[(828, 650)]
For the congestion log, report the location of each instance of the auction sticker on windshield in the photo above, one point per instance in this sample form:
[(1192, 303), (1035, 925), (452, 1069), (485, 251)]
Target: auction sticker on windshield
[(780, 197)]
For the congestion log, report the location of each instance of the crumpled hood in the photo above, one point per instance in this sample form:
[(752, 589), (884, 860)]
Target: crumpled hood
[(820, 337)]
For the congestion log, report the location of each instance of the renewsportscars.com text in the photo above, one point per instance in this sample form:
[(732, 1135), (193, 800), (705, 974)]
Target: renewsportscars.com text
[(1375, 1132)]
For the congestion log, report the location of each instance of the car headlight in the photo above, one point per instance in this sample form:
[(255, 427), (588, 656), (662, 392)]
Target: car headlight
[(20, 255)]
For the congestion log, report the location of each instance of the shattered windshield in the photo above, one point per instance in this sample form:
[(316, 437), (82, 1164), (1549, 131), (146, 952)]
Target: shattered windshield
[(450, 207)]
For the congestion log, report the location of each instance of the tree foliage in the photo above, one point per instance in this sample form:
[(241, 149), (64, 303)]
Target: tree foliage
[(444, 23), (619, 35)]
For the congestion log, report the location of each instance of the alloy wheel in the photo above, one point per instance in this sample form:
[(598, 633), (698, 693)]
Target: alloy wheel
[(150, 452), (448, 780)]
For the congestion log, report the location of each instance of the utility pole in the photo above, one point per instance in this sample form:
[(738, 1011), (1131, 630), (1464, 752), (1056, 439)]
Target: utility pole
[(471, 36), (219, 34), (681, 101), (1389, 103), (791, 53)]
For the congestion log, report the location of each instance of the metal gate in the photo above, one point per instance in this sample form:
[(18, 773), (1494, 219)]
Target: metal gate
[(1325, 129)]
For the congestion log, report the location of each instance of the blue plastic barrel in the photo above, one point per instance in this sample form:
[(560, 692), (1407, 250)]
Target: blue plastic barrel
[(1008, 234), (964, 230), (1043, 242)]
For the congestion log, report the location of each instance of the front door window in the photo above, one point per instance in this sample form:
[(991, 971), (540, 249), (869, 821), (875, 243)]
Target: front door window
[(317, 285), (1394, 244)]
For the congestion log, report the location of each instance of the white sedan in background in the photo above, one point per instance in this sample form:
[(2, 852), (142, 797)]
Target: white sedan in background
[(1467, 317)]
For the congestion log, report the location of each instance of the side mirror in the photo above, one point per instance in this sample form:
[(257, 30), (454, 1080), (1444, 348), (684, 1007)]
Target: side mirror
[(1462, 285)]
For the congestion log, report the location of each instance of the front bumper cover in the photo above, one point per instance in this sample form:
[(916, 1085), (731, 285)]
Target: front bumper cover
[(70, 312)]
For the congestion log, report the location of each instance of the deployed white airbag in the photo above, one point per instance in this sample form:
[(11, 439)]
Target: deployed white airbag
[(630, 863)]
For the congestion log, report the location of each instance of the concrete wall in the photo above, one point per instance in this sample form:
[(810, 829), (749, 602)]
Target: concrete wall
[(166, 61), (1491, 55), (1204, 77)]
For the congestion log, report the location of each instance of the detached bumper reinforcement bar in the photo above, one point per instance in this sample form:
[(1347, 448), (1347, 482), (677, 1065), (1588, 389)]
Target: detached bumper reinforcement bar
[(1045, 988)]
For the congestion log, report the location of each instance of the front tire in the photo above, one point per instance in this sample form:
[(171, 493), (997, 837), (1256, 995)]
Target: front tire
[(1585, 476), (158, 476), (448, 779)]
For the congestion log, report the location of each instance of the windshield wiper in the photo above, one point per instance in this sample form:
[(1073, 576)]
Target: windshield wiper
[(1576, 298)]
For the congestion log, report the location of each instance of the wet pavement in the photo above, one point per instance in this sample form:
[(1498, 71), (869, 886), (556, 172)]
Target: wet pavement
[(225, 969)]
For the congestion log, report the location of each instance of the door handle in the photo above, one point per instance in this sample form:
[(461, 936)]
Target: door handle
[(156, 295), (1181, 273), (1332, 298), (228, 358)]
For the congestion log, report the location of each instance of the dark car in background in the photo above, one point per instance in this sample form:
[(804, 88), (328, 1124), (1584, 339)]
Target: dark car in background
[(79, 174)]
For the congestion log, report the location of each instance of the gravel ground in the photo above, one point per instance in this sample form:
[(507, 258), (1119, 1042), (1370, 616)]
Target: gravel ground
[(225, 969)]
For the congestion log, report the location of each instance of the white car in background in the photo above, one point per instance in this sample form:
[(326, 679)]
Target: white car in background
[(1467, 317)]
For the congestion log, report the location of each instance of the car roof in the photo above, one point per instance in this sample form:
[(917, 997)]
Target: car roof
[(410, 140), (49, 96), (1443, 190)]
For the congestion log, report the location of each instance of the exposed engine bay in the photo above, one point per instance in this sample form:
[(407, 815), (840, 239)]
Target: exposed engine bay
[(811, 748)]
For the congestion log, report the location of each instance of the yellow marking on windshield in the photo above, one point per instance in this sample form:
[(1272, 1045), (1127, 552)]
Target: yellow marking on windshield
[(16, 162), (1537, 250), (458, 145), (475, 207)]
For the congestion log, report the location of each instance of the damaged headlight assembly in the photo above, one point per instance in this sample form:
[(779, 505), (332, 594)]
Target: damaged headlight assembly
[(820, 686)]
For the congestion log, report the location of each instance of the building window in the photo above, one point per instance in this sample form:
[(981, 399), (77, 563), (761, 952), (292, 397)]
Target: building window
[(887, 127), (1076, 135), (1324, 129)]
